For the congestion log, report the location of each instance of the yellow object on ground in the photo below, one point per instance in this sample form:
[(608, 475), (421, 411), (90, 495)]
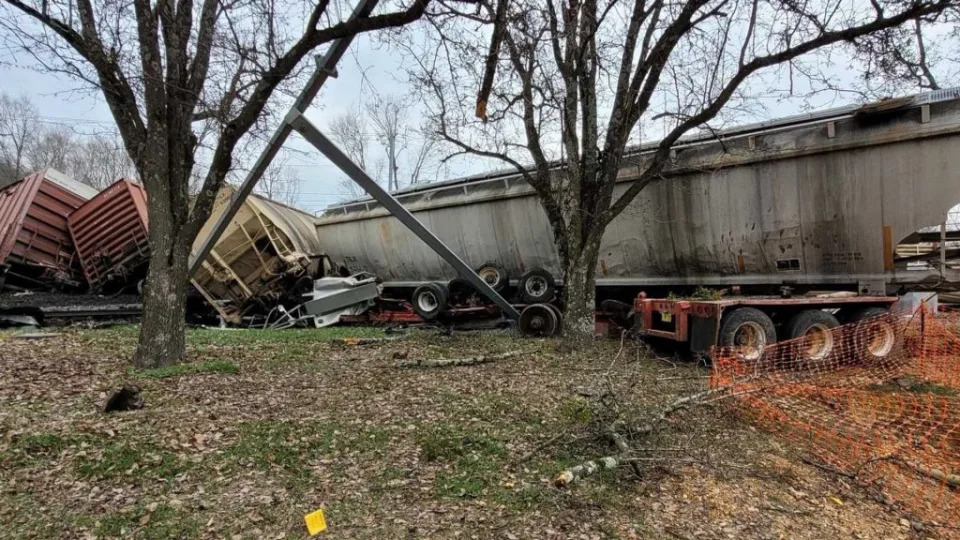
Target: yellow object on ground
[(315, 522)]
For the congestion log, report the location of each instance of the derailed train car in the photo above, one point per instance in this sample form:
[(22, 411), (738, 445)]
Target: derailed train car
[(35, 245), (109, 234), (816, 200), (268, 256)]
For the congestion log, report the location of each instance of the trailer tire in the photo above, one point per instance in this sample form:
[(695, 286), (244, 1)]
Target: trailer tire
[(429, 301), (749, 330), (874, 336), (812, 328), (536, 286), (494, 275), (459, 290)]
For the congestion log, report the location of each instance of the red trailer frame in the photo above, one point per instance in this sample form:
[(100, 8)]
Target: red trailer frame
[(698, 322)]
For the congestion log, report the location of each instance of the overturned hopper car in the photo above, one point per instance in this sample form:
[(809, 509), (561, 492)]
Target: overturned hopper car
[(269, 255), (35, 246), (818, 200), (109, 234)]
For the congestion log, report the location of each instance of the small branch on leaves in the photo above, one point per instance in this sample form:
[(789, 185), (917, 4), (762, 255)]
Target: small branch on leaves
[(451, 362)]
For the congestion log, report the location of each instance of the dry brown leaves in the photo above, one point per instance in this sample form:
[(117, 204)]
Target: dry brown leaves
[(309, 422)]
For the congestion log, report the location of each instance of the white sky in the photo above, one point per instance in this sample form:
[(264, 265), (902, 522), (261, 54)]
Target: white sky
[(60, 103)]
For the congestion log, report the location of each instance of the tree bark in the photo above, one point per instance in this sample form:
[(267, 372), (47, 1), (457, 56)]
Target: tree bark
[(579, 294), (163, 323), (162, 330)]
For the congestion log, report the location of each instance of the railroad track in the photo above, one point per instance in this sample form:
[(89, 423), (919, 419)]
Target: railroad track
[(83, 312)]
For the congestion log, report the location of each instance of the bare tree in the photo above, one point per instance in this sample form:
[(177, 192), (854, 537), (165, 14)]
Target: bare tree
[(99, 160), (420, 145), (920, 55), (50, 148), (389, 116), (349, 130), (423, 156), (19, 122), (280, 183), (585, 77), (178, 77)]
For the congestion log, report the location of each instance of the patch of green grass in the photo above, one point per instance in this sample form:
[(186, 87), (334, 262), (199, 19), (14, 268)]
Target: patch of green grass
[(576, 411), (141, 460), (256, 337), (447, 442), (42, 443), (163, 522), (191, 368), (521, 499), (282, 445), (471, 460), (371, 438), (504, 412), (914, 385), (34, 448)]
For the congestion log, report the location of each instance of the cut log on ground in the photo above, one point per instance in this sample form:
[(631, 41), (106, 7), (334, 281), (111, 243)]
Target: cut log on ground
[(584, 470), (472, 361)]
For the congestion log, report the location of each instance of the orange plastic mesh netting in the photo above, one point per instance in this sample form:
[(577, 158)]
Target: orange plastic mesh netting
[(879, 403)]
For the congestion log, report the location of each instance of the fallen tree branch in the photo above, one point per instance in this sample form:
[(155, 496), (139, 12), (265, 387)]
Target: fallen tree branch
[(541, 447), (588, 468), (472, 361), (369, 340), (678, 405), (584, 470)]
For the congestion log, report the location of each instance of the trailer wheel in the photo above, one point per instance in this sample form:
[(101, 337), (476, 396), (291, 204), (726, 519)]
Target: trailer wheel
[(536, 286), (538, 320), (874, 335), (429, 301), (749, 330), (459, 290), (812, 330), (495, 275)]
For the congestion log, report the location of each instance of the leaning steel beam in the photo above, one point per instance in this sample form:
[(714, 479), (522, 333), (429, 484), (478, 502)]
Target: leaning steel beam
[(299, 122), (326, 67)]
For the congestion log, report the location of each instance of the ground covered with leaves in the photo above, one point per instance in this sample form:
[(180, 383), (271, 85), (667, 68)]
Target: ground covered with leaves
[(261, 428)]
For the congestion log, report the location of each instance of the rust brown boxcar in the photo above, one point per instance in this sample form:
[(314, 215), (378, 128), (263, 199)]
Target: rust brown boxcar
[(35, 245), (109, 234)]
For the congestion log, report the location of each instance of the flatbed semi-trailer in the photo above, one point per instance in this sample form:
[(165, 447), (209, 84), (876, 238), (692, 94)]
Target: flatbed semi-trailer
[(751, 323), (816, 202)]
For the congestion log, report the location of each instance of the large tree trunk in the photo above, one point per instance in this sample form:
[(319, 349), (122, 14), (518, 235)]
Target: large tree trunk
[(162, 330), (579, 295)]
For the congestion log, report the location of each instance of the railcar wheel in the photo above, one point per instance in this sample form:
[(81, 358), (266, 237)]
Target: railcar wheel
[(749, 331), (813, 330), (495, 275), (559, 315), (429, 301), (538, 320), (536, 286)]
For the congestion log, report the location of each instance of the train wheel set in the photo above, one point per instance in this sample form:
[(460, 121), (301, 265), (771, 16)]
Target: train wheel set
[(535, 295)]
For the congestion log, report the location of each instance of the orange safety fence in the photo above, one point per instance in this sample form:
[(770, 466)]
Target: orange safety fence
[(878, 400)]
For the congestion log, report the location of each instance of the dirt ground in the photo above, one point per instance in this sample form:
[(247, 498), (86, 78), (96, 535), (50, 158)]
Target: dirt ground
[(262, 428)]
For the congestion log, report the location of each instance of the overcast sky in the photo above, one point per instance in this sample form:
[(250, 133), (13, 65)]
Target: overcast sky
[(62, 104), (368, 67)]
